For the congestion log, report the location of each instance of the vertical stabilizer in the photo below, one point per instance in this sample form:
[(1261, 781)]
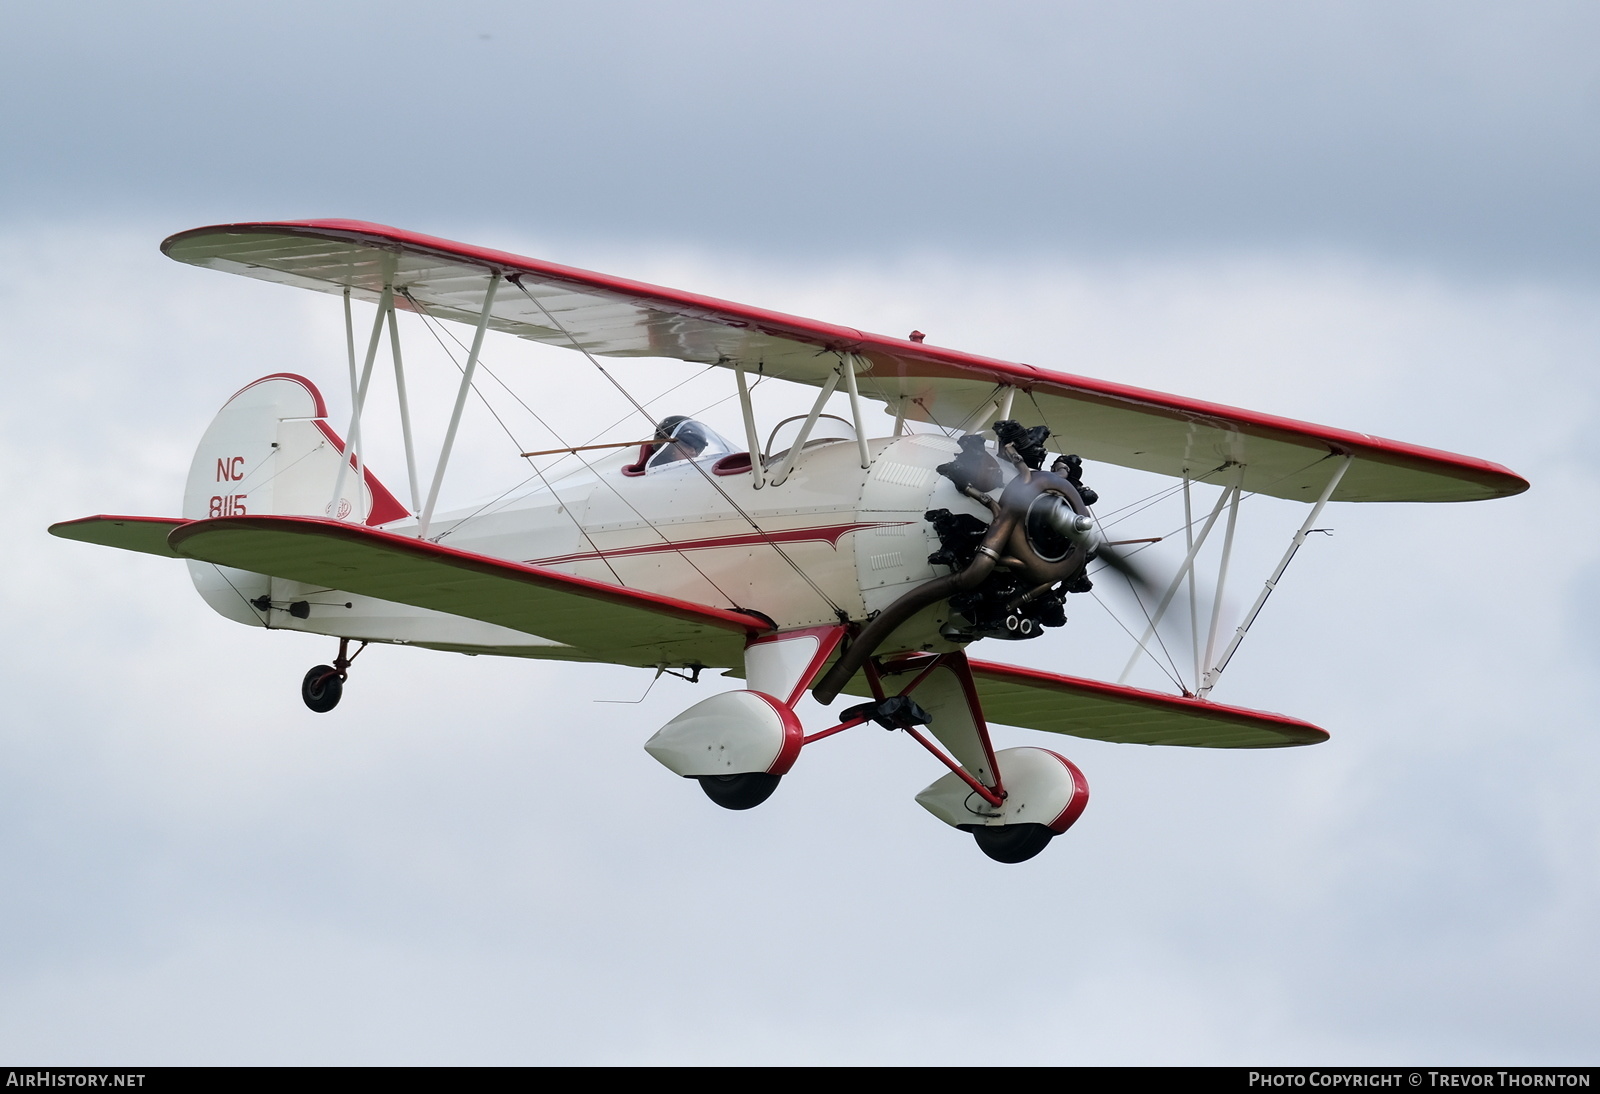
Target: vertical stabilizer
[(270, 450)]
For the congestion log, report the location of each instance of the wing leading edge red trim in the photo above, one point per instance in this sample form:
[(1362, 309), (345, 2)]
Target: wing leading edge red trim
[(889, 356)]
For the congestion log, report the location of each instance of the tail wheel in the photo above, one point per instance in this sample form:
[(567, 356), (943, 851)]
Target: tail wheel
[(322, 688), (743, 791), (1012, 842)]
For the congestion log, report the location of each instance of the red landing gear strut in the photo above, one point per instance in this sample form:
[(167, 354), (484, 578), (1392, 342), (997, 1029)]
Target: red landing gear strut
[(902, 712), (1012, 820)]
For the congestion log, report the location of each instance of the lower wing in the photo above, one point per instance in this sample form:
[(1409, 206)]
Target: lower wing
[(615, 624), (1099, 711)]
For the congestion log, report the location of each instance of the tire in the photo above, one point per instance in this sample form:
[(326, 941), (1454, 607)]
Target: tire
[(743, 791), (1012, 842), (322, 688)]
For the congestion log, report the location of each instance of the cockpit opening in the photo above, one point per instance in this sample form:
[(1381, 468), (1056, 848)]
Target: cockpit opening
[(679, 440), (828, 429)]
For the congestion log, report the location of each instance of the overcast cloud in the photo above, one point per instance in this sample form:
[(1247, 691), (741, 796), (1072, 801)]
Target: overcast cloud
[(1431, 132), (1377, 216)]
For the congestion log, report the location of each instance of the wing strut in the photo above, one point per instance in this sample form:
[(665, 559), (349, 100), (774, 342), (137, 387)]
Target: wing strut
[(405, 409), (358, 389), (1188, 545), (461, 402), (998, 403), (1231, 490), (1210, 680), (752, 440), (848, 366), (782, 474), (1222, 574)]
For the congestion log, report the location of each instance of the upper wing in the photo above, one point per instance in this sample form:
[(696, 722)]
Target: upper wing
[(563, 306), (147, 535), (618, 625), (1109, 712)]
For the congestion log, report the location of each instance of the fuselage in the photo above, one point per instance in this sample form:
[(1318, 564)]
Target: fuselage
[(834, 541)]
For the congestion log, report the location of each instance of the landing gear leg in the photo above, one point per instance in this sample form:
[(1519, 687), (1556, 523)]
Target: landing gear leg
[(323, 685)]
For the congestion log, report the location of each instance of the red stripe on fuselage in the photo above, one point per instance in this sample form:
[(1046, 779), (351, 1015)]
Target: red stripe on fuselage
[(829, 534)]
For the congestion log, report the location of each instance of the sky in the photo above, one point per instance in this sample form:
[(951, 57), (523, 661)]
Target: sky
[(1376, 216)]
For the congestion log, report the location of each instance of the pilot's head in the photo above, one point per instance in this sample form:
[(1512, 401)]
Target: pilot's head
[(689, 437), (667, 425)]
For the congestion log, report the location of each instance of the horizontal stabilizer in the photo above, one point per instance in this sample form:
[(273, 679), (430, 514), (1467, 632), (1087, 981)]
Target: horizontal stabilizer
[(619, 625), (147, 535), (1100, 711)]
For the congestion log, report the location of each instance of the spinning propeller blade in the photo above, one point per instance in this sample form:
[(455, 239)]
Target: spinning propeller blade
[(1122, 562), (1081, 530)]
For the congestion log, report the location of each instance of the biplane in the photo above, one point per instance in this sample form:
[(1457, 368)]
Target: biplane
[(812, 557)]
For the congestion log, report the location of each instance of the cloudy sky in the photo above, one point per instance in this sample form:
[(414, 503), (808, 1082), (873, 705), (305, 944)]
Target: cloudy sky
[(1378, 216)]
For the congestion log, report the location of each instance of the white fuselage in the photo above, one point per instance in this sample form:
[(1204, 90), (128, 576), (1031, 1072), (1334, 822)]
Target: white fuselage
[(833, 540)]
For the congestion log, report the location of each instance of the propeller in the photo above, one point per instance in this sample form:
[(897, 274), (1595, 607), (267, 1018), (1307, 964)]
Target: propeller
[(1081, 530), (1013, 571)]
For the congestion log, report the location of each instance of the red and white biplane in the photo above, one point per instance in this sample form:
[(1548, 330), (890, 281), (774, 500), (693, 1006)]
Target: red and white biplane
[(836, 562)]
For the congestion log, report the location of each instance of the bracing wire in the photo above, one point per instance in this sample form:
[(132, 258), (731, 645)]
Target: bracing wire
[(765, 535), (266, 616), (1155, 632), (1118, 621), (429, 322), (1134, 589), (656, 399), (598, 478), (1242, 498)]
